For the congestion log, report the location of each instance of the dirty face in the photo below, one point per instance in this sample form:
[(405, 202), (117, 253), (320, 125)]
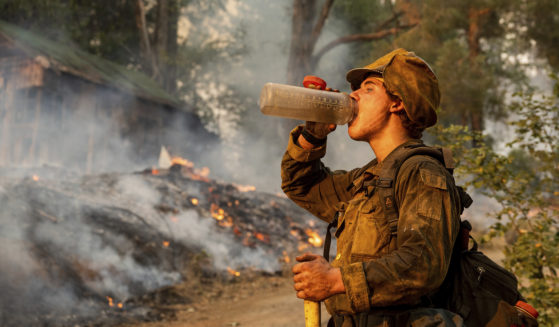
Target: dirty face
[(373, 109)]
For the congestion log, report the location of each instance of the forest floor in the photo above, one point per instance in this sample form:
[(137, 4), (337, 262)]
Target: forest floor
[(244, 302)]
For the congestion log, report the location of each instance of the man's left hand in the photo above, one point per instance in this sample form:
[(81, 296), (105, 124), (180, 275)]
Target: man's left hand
[(315, 279)]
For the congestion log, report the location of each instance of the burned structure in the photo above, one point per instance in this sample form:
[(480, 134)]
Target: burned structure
[(62, 106)]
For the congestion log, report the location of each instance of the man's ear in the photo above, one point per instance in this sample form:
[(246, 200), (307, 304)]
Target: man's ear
[(397, 106)]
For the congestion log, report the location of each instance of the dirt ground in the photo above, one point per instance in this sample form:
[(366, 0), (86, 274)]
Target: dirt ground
[(262, 301)]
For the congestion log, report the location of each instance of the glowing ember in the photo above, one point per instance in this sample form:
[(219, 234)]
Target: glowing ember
[(245, 188), (217, 212), (165, 243), (204, 172), (293, 232), (35, 178), (262, 237), (286, 258), (194, 201), (233, 272), (314, 238), (182, 162), (119, 305), (110, 299), (302, 247), (237, 202), (154, 171), (228, 222)]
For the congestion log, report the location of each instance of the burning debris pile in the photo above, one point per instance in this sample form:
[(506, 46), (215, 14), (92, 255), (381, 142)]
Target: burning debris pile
[(83, 250)]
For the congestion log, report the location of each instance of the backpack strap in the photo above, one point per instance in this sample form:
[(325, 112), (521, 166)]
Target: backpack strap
[(389, 173)]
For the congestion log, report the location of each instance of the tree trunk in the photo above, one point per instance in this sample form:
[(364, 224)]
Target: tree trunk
[(301, 49), (170, 75), (145, 45), (474, 15)]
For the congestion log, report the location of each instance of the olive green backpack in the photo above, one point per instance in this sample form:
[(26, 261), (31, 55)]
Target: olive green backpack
[(477, 288)]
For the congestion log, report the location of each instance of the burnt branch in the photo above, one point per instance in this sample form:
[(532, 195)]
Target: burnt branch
[(360, 37), (320, 22)]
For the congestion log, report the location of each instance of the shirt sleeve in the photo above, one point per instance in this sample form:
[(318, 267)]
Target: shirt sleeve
[(428, 225), (310, 184)]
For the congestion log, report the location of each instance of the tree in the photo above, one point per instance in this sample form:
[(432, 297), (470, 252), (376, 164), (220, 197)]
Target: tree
[(525, 182), (308, 23)]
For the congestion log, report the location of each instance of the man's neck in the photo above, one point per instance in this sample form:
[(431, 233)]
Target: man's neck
[(388, 140)]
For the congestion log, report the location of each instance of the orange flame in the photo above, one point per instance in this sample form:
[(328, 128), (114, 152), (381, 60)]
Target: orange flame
[(182, 162), (233, 272), (120, 305), (154, 171), (228, 222), (217, 212), (262, 237), (194, 201), (110, 299), (35, 178), (245, 188), (314, 238), (286, 258), (165, 244), (293, 232)]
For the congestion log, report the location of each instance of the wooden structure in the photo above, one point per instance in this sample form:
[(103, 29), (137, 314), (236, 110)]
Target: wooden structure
[(63, 106)]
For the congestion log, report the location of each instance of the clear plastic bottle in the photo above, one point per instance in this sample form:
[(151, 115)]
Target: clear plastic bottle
[(306, 104)]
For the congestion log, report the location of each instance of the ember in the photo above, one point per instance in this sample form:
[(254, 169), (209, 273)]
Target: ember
[(233, 272), (128, 228), (35, 178), (314, 238)]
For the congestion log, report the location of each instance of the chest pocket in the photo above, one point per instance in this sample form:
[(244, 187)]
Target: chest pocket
[(372, 233)]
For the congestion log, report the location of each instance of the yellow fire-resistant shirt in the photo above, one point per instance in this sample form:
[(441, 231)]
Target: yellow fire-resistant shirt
[(379, 270)]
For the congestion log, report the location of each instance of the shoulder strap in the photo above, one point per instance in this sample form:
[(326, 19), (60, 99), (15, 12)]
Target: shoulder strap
[(389, 173)]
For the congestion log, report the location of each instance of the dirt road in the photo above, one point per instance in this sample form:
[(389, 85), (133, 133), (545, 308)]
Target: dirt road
[(265, 301)]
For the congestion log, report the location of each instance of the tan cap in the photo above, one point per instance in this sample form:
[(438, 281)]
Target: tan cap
[(408, 77)]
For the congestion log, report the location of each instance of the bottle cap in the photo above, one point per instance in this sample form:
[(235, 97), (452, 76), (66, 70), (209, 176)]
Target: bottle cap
[(527, 308), (314, 82)]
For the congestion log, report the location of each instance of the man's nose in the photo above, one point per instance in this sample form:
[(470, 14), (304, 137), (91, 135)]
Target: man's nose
[(354, 95)]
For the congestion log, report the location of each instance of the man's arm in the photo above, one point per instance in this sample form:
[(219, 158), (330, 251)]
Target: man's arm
[(310, 184)]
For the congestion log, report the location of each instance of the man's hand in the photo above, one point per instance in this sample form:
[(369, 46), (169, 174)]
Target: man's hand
[(318, 130), (315, 279)]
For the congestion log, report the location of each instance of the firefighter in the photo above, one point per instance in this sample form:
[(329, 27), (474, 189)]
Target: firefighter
[(393, 252)]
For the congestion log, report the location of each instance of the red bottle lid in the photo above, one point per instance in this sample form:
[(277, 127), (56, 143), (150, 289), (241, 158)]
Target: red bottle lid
[(527, 308), (314, 82)]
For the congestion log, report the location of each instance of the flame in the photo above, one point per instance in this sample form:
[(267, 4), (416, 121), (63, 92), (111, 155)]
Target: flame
[(35, 178), (110, 299), (120, 305), (165, 243), (263, 237), (228, 222), (233, 272), (182, 162), (204, 172), (286, 258), (314, 238), (245, 188), (217, 212), (154, 171), (194, 201), (293, 232)]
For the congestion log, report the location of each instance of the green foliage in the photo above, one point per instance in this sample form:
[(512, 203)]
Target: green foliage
[(525, 182)]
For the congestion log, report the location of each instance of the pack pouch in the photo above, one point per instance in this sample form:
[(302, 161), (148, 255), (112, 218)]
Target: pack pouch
[(483, 292)]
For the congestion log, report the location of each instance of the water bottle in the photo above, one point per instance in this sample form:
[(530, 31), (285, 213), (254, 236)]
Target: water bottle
[(310, 104)]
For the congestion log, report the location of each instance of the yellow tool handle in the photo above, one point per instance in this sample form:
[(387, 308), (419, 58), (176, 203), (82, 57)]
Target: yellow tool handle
[(312, 314)]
